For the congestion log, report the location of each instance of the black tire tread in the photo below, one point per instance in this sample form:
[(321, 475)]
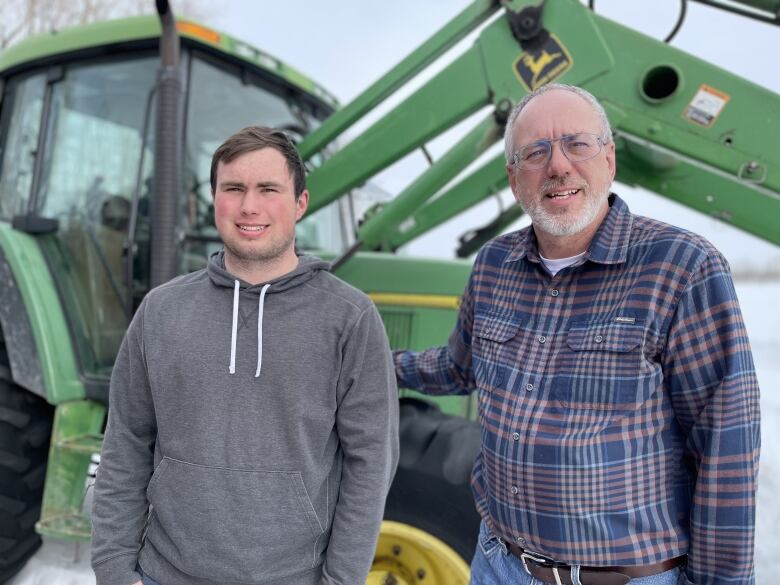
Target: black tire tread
[(424, 493), (25, 431)]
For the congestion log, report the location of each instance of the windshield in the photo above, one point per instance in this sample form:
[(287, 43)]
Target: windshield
[(88, 173), (223, 100)]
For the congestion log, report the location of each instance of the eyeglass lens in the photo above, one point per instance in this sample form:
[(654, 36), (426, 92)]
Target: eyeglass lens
[(576, 147)]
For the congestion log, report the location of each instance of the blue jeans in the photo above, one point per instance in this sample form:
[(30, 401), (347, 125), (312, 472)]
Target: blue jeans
[(494, 565), (146, 579)]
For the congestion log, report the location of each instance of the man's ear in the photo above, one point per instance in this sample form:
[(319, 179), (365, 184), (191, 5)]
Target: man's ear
[(301, 204), (611, 160)]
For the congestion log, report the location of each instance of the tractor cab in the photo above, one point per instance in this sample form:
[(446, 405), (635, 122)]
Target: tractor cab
[(77, 141)]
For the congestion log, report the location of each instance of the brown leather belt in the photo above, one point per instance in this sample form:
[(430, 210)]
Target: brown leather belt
[(549, 572)]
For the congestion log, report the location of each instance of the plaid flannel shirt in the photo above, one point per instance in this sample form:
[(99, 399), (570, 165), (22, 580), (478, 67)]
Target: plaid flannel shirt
[(618, 400)]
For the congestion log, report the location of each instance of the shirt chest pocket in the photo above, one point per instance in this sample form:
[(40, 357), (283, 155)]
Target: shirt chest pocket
[(495, 348), (600, 368)]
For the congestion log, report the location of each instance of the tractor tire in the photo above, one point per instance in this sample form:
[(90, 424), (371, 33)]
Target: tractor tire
[(431, 490), (25, 431)]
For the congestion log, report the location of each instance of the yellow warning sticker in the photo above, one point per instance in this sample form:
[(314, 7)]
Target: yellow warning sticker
[(543, 65), (706, 106)]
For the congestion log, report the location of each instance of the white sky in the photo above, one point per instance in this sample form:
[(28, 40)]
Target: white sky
[(347, 44)]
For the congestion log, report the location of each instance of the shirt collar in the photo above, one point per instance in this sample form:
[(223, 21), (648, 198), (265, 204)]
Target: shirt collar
[(609, 244)]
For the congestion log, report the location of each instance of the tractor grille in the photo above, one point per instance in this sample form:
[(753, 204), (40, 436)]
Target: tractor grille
[(398, 324)]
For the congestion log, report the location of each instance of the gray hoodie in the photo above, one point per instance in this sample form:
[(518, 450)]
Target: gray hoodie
[(251, 436)]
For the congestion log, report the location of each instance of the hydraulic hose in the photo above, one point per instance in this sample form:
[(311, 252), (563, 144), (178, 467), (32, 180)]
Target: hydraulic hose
[(677, 26)]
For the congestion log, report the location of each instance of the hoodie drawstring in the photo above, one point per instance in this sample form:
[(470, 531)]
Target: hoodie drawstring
[(260, 330), (234, 331)]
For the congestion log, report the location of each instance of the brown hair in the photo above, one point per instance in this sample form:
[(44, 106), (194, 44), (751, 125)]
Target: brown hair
[(256, 138)]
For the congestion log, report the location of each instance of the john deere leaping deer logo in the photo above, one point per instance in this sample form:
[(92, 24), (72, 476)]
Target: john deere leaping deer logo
[(543, 65), (537, 64)]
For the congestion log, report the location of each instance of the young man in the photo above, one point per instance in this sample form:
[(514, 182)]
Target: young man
[(253, 412), (617, 396)]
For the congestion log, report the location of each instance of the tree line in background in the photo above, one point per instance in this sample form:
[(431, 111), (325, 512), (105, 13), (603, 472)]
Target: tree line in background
[(20, 19)]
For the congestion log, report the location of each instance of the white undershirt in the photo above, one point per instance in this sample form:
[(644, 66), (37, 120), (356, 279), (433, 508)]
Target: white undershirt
[(558, 264)]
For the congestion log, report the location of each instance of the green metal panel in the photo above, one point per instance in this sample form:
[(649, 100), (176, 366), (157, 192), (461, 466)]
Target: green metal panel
[(53, 341), (376, 272)]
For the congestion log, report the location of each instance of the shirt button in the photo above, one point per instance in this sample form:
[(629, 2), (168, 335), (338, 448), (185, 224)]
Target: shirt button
[(542, 339), (529, 387), (598, 338), (514, 489), (520, 540), (554, 292), (516, 436)]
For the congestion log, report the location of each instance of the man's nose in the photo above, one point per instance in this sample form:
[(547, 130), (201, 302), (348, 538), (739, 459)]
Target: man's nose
[(558, 164), (251, 203)]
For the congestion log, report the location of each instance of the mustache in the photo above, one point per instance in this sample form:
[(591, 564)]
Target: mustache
[(556, 183)]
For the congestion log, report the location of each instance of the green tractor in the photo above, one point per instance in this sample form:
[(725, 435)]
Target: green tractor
[(106, 137)]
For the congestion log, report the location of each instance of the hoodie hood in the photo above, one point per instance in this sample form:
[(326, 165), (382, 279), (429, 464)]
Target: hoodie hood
[(308, 267)]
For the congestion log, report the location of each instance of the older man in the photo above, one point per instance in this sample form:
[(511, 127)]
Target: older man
[(617, 396)]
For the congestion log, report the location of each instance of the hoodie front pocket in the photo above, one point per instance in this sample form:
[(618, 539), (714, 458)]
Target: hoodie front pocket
[(227, 524)]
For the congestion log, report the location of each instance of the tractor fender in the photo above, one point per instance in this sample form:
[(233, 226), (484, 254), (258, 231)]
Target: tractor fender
[(18, 335)]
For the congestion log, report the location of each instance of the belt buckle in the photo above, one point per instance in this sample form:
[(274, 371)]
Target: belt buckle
[(543, 562)]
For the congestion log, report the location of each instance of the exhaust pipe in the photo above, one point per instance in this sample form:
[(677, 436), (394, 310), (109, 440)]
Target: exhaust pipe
[(168, 150)]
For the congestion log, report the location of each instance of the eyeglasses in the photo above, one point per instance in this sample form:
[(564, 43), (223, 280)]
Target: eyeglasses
[(576, 147)]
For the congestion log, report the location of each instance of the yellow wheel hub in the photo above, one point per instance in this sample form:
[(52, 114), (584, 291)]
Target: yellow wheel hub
[(408, 556)]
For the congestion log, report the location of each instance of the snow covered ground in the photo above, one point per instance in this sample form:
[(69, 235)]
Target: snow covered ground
[(759, 301), (59, 563)]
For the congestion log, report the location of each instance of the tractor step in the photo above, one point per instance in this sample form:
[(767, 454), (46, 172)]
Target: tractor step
[(85, 444), (75, 438), (65, 526)]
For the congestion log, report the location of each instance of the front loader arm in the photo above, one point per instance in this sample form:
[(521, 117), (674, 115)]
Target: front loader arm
[(684, 128), (423, 116)]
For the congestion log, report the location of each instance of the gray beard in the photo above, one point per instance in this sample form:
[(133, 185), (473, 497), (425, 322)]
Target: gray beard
[(563, 224)]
